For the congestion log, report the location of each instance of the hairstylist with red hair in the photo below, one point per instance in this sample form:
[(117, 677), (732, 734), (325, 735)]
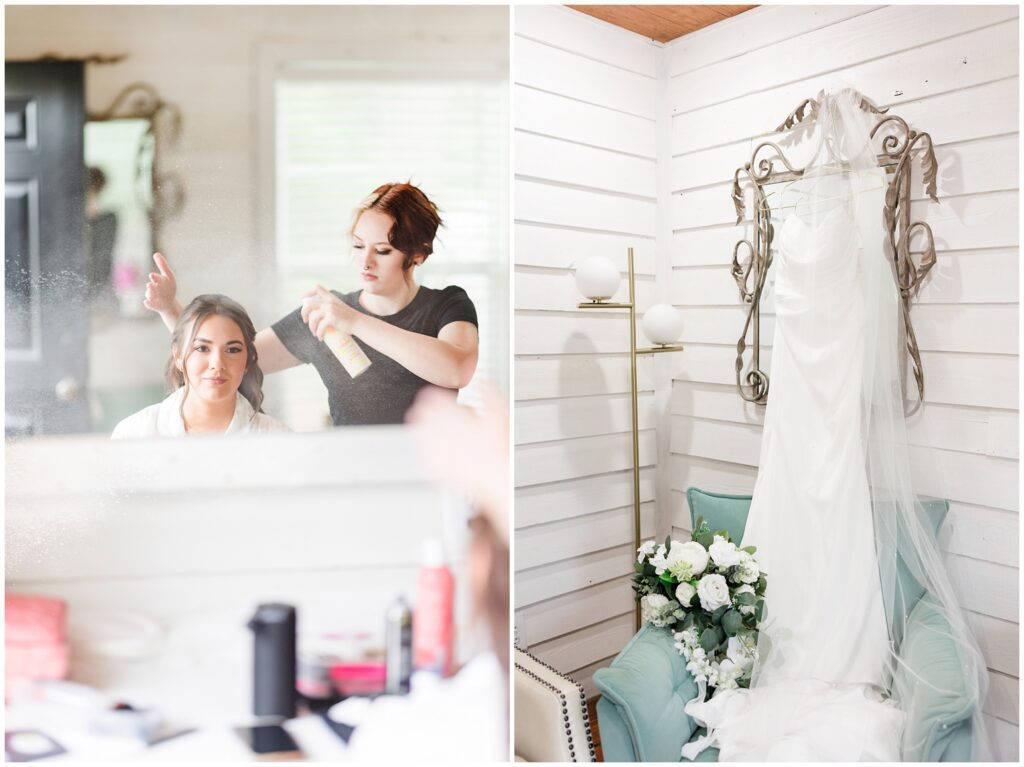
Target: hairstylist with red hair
[(413, 335)]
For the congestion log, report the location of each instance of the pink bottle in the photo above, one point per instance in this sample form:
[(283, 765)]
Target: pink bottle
[(432, 617)]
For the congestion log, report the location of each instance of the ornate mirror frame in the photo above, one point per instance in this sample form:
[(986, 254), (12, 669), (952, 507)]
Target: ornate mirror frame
[(141, 101), (897, 146)]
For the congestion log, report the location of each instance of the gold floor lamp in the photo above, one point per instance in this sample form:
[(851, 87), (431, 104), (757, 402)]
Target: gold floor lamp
[(598, 279)]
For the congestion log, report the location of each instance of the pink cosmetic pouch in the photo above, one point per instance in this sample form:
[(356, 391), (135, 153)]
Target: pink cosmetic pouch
[(35, 641)]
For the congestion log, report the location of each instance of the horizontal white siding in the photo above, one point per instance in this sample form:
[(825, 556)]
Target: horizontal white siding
[(951, 71), (586, 184)]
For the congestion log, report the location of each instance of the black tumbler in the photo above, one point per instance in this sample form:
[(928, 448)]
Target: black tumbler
[(273, 679)]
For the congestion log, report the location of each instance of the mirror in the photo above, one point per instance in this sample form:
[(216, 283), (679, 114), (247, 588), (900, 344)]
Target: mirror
[(127, 199), (273, 161)]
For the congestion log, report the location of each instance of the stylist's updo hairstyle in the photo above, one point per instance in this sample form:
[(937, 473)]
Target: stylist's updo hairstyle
[(416, 219), (184, 334)]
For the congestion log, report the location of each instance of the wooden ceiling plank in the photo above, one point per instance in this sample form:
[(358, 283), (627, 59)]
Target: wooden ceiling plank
[(623, 16), (663, 23)]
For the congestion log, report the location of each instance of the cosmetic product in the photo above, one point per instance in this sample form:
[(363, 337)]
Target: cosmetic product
[(398, 648), (367, 678), (345, 348), (273, 627), (35, 639), (432, 621)]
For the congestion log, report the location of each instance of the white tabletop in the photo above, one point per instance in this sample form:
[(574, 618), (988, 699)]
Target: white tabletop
[(198, 675)]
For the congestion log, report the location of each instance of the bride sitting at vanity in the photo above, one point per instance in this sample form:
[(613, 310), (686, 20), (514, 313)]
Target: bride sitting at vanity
[(215, 376)]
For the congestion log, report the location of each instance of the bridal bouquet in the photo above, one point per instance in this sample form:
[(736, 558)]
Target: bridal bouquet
[(711, 594)]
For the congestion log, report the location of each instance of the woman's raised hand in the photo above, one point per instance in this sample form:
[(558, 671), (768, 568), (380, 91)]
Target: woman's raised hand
[(161, 288), (321, 309), (161, 292)]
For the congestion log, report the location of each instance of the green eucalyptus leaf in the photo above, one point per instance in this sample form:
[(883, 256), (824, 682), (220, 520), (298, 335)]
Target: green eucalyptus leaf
[(711, 638), (745, 598), (759, 611), (732, 622), (749, 549), (716, 616)]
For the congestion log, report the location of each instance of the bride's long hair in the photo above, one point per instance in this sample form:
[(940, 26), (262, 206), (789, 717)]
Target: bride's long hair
[(192, 316)]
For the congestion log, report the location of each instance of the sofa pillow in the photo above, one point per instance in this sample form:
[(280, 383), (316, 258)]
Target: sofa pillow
[(721, 511), (935, 696)]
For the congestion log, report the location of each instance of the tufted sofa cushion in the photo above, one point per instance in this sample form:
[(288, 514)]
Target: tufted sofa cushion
[(647, 685)]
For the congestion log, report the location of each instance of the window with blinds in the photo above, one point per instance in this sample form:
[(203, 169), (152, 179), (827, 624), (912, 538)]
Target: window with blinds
[(340, 134)]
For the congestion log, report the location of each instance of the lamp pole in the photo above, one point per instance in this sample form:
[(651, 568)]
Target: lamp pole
[(633, 353)]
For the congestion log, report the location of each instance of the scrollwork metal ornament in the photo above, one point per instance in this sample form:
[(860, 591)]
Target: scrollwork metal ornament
[(899, 145), (141, 101)]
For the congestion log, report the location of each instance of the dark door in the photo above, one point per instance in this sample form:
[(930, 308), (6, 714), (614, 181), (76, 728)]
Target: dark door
[(46, 313)]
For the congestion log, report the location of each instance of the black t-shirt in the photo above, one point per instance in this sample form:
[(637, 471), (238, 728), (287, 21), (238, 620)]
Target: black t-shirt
[(385, 391)]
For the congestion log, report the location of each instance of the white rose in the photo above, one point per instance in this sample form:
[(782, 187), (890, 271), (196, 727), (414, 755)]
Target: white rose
[(724, 553), (741, 652), (684, 593), (744, 589), (713, 592), (686, 560), (748, 571), (650, 605), (646, 550)]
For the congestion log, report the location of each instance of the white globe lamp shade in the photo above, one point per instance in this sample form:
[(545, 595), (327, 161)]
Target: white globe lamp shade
[(597, 278), (663, 324)]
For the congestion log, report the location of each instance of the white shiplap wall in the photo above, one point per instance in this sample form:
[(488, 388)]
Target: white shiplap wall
[(585, 101), (951, 71)]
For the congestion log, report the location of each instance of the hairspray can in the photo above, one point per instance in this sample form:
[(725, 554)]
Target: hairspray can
[(273, 681), (398, 648), (345, 348), (435, 593), (347, 351)]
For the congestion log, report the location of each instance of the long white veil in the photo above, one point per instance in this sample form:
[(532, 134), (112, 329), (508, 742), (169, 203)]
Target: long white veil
[(934, 670)]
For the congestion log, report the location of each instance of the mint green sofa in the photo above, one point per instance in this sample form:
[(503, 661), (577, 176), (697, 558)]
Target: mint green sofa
[(640, 712)]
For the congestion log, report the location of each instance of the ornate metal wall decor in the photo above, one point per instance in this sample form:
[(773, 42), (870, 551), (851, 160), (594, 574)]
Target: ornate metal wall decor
[(141, 101), (899, 143)]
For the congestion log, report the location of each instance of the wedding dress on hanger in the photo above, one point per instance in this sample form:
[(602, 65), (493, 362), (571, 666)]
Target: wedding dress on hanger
[(833, 511)]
